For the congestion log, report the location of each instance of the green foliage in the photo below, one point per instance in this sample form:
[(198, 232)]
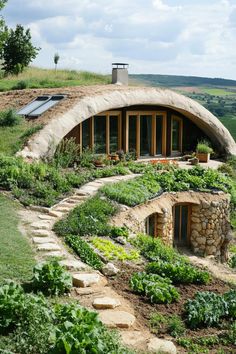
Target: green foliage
[(198, 345), (67, 153), (20, 85), (112, 251), (154, 287), (30, 131), (232, 261), (9, 118), (205, 310), (172, 324), (51, 278), (11, 295), (203, 146), (89, 218), (18, 50), (149, 185), (84, 251), (86, 158), (155, 250), (230, 299), (179, 272), (117, 231)]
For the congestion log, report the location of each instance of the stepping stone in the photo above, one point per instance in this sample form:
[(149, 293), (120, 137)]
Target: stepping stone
[(103, 303), (40, 240), (59, 254), (45, 217), (156, 345), (120, 319), (48, 247), (43, 225), (86, 291), (62, 209), (41, 233), (73, 264), (135, 339), (57, 214), (84, 280)]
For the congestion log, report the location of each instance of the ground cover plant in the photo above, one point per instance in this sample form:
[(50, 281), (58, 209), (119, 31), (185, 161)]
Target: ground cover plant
[(112, 251), (172, 325), (147, 186), (89, 218), (84, 251), (156, 288)]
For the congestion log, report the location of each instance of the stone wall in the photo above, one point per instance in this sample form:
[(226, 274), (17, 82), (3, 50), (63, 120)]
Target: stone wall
[(209, 232)]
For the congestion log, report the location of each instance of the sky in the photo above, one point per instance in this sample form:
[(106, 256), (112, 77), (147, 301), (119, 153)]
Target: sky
[(176, 37)]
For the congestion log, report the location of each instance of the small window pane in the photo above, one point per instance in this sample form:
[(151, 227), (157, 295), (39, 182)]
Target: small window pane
[(100, 134), (175, 135), (86, 133), (132, 132), (159, 127), (113, 133)]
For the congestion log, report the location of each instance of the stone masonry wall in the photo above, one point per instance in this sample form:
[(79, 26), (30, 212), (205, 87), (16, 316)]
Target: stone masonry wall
[(210, 226)]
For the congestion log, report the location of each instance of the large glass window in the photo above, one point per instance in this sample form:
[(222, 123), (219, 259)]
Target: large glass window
[(100, 134), (132, 132), (159, 127), (86, 133), (145, 134), (114, 131)]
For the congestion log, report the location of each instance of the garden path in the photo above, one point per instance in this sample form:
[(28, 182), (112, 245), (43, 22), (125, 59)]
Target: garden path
[(90, 286)]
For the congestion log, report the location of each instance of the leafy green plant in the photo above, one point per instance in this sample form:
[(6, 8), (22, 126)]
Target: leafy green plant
[(179, 272), (232, 261), (230, 299), (11, 297), (89, 218), (154, 287), (204, 147), (112, 251), (205, 310), (117, 231), (51, 278), (84, 251), (171, 324), (9, 118), (67, 153)]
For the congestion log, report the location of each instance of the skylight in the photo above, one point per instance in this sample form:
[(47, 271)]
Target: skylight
[(40, 105)]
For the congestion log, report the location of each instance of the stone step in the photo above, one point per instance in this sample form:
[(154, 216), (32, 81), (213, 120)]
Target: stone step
[(41, 233), (77, 198), (83, 280), (48, 247), (135, 339), (46, 217), (117, 319), (59, 254), (74, 264), (62, 209), (56, 214), (40, 240), (157, 345), (42, 225), (104, 303)]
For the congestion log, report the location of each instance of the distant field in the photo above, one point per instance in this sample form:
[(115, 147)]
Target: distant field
[(45, 78)]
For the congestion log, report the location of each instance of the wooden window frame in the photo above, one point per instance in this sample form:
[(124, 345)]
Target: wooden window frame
[(180, 120), (154, 114)]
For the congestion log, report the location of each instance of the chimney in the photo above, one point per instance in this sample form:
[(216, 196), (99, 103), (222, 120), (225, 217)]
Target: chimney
[(120, 73)]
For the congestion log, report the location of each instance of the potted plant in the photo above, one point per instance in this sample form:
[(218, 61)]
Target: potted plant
[(203, 151), (99, 161), (114, 156)]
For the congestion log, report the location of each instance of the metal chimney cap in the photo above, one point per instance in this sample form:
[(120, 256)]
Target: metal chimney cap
[(120, 65)]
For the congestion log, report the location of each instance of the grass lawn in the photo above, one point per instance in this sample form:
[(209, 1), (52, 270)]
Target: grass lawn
[(216, 91), (10, 138), (16, 255)]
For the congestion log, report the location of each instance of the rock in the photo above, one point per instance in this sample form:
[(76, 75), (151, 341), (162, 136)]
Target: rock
[(110, 269), (196, 227), (103, 303), (161, 346), (84, 280), (57, 214), (135, 339), (45, 217), (120, 319), (41, 233), (41, 225), (48, 247), (40, 240), (57, 254), (121, 240), (73, 264)]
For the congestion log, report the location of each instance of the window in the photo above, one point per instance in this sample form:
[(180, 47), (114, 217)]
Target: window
[(40, 105), (176, 134)]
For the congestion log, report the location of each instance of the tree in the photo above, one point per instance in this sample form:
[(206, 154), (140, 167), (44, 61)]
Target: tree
[(17, 50), (3, 27), (56, 60)]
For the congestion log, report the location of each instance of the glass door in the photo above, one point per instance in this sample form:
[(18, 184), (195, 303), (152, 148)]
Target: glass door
[(176, 135), (159, 134), (145, 135), (100, 134)]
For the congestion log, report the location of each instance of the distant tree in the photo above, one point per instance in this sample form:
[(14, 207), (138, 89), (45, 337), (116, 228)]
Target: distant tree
[(17, 50), (56, 60), (3, 27)]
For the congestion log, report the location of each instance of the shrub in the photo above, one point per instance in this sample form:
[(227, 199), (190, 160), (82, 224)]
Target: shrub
[(67, 153), (179, 272), (9, 118), (112, 251), (20, 85), (232, 261), (84, 251), (51, 278), (205, 310), (230, 299), (89, 218), (117, 231), (171, 324), (86, 158), (204, 147), (175, 326), (154, 287)]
